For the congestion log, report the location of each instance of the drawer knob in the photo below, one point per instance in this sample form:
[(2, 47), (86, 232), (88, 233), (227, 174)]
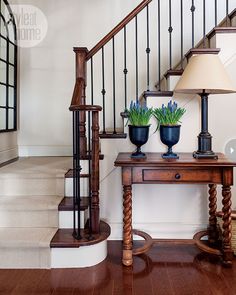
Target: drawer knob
[(177, 176)]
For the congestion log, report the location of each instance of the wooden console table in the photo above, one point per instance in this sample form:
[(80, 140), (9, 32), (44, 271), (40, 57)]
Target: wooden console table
[(154, 169)]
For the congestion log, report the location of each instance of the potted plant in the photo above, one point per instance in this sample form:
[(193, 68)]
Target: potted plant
[(168, 119), (139, 117)]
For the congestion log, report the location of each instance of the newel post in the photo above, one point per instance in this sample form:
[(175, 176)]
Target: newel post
[(81, 75), (95, 173)]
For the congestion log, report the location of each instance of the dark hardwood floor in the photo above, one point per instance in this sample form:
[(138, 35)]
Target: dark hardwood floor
[(167, 269)]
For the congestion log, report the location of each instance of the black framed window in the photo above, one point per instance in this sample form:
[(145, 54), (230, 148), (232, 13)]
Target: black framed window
[(8, 69)]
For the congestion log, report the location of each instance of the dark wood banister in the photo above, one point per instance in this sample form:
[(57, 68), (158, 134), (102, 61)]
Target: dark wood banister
[(118, 28)]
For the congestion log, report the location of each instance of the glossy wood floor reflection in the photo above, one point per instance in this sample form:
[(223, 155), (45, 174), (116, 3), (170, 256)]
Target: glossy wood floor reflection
[(167, 269)]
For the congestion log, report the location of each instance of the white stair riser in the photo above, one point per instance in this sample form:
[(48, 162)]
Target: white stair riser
[(227, 43), (29, 218), (69, 187), (66, 219), (25, 258), (78, 257), (30, 186), (172, 82)]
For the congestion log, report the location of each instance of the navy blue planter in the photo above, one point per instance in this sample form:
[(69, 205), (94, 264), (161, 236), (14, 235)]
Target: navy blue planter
[(138, 136), (170, 136)]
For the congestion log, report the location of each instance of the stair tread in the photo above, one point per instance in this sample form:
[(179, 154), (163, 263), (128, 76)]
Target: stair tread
[(221, 30), (113, 135), (37, 167), (176, 72), (64, 239), (158, 93), (26, 237), (67, 204), (69, 174), (29, 203)]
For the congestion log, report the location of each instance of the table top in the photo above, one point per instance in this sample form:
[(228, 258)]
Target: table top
[(185, 160)]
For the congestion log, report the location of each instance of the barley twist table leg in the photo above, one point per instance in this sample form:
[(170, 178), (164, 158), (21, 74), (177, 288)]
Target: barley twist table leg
[(127, 226), (227, 229), (213, 234)]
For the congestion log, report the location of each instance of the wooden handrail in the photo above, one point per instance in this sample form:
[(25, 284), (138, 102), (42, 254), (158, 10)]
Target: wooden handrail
[(118, 28)]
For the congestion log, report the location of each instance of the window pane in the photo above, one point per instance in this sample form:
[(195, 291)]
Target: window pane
[(11, 97), (11, 75), (3, 70), (3, 95), (2, 119), (3, 29), (10, 119), (3, 49), (11, 53), (11, 32)]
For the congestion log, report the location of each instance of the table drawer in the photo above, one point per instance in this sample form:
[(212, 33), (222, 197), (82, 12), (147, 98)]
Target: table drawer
[(181, 175)]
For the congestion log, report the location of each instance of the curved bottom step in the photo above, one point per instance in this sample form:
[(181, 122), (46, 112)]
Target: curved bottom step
[(78, 257), (67, 252)]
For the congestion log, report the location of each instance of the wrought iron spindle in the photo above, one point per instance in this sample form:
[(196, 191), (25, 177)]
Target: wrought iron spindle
[(125, 66), (76, 175), (148, 50), (136, 54), (92, 97), (159, 44), (114, 86), (227, 13), (103, 93), (193, 8), (170, 30), (90, 175), (204, 23), (181, 33), (216, 12)]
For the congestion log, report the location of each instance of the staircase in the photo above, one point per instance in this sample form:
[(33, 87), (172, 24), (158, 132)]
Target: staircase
[(55, 202)]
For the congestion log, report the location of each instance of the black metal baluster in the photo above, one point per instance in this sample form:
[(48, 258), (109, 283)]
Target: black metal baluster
[(92, 101), (170, 30), (90, 175), (125, 66), (181, 33), (114, 86), (76, 176), (227, 13), (216, 12), (159, 45), (103, 93), (136, 54), (74, 173), (148, 50), (204, 23), (78, 169), (193, 8)]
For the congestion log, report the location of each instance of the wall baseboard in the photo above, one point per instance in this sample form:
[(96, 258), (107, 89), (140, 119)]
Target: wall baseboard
[(45, 151), (159, 230), (8, 155)]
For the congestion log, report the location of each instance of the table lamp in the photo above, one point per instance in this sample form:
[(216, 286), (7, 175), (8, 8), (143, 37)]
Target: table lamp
[(204, 75)]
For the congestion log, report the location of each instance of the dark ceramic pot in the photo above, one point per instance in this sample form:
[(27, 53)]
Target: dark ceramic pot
[(138, 136), (170, 136)]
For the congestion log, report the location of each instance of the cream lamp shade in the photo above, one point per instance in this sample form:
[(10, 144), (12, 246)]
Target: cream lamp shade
[(205, 73)]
